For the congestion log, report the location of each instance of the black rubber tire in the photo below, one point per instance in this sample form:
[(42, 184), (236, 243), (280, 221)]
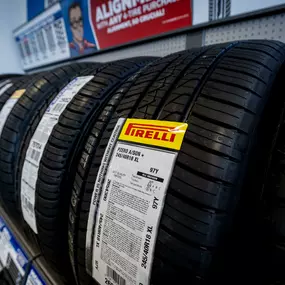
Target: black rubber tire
[(17, 84), (21, 123), (275, 206), (60, 157), (10, 76), (227, 94)]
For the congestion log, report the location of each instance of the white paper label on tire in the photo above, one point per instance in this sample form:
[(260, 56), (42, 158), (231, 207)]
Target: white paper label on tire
[(8, 106), (132, 200), (37, 144), (5, 87), (3, 83)]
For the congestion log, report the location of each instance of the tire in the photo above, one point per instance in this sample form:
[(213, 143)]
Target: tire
[(9, 76), (20, 125), (19, 84), (227, 94), (275, 206), (16, 84), (60, 157)]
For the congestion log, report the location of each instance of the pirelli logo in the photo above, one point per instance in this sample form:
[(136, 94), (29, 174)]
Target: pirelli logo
[(151, 132)]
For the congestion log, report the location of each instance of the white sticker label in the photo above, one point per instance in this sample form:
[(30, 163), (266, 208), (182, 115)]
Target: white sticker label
[(130, 207), (38, 143), (3, 83), (8, 106), (5, 87), (97, 192)]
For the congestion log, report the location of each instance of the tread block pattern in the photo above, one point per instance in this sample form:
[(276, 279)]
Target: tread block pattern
[(6, 149), (221, 91), (275, 190), (60, 157), (17, 83), (21, 122)]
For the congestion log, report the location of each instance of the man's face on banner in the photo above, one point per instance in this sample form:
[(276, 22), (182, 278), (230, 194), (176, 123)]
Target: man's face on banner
[(76, 23)]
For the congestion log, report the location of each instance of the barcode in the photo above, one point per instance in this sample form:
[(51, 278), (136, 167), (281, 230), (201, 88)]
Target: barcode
[(34, 154), (58, 107), (13, 270), (34, 45), (41, 41), (115, 276), (50, 37), (21, 50), (27, 46), (28, 205)]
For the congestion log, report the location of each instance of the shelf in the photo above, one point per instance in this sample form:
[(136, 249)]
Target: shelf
[(22, 256)]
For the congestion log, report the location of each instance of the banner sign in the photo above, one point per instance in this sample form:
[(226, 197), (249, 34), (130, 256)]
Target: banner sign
[(73, 28), (43, 40), (118, 22), (35, 7)]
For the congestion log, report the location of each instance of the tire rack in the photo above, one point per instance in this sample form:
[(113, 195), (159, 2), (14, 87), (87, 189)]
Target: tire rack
[(218, 31), (48, 275)]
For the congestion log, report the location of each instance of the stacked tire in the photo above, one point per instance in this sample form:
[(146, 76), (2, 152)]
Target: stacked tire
[(214, 221), (227, 94)]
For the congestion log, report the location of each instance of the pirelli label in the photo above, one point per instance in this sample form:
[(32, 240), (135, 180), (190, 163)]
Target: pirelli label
[(151, 132), (18, 93), (128, 199)]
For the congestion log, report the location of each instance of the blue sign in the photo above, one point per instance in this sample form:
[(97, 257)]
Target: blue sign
[(78, 29), (34, 278), (12, 256), (35, 7)]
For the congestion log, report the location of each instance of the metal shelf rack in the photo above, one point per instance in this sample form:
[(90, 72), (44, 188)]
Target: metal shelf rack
[(31, 250)]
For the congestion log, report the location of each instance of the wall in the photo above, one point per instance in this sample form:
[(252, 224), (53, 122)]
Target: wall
[(12, 14), (201, 8)]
